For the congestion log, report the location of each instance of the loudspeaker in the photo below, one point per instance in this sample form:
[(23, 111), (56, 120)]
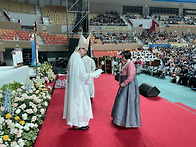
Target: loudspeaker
[(73, 42), (78, 16), (85, 24), (148, 90), (155, 63)]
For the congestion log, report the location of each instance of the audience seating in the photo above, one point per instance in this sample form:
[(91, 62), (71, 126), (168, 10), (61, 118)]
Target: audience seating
[(6, 34), (107, 19), (112, 38), (57, 15), (106, 53), (55, 39), (17, 7)]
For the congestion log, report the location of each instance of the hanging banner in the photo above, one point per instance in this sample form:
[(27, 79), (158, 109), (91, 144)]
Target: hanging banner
[(178, 1), (145, 23), (112, 28), (159, 45), (179, 45)]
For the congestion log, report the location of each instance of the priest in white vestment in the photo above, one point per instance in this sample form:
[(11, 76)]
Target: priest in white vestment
[(90, 67), (77, 105)]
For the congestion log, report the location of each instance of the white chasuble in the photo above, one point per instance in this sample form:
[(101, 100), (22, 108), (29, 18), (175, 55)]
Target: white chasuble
[(77, 105), (90, 67)]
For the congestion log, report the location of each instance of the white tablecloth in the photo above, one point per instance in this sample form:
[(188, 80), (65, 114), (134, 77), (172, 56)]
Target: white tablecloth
[(9, 73)]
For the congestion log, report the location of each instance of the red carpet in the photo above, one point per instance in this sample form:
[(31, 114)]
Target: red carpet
[(164, 124), (186, 107)]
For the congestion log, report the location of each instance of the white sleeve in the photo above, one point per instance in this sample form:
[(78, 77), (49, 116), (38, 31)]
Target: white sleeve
[(96, 73), (93, 66)]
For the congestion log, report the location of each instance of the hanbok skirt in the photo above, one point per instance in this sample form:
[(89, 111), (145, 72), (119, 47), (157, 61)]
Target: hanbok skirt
[(126, 108)]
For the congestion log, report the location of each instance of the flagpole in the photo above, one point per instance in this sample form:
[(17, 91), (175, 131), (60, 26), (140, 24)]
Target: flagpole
[(105, 65), (35, 42)]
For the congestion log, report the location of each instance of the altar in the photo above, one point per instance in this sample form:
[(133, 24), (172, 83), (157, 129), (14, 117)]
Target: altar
[(9, 73)]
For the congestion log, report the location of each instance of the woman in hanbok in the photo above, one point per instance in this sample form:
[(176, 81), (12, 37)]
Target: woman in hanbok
[(126, 108)]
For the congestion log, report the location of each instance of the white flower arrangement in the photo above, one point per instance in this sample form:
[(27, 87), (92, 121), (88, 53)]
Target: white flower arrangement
[(45, 71), (19, 124), (117, 68)]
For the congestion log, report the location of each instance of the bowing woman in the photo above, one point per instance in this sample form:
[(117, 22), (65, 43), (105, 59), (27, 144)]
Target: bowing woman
[(126, 108)]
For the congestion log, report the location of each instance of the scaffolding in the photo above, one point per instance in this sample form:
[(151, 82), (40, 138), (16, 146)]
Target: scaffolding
[(80, 9)]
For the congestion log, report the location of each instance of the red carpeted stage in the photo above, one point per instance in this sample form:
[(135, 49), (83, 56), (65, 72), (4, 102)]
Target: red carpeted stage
[(164, 124)]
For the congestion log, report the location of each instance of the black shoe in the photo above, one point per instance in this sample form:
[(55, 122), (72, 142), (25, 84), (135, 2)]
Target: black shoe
[(84, 128), (81, 128)]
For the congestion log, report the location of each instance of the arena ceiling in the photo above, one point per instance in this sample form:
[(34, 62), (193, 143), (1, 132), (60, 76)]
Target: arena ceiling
[(100, 3), (129, 2)]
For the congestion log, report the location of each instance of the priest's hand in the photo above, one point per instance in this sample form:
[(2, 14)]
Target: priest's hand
[(96, 73)]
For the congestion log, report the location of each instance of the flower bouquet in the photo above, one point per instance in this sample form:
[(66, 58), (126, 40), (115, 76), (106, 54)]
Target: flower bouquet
[(22, 110), (45, 71), (117, 68)]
